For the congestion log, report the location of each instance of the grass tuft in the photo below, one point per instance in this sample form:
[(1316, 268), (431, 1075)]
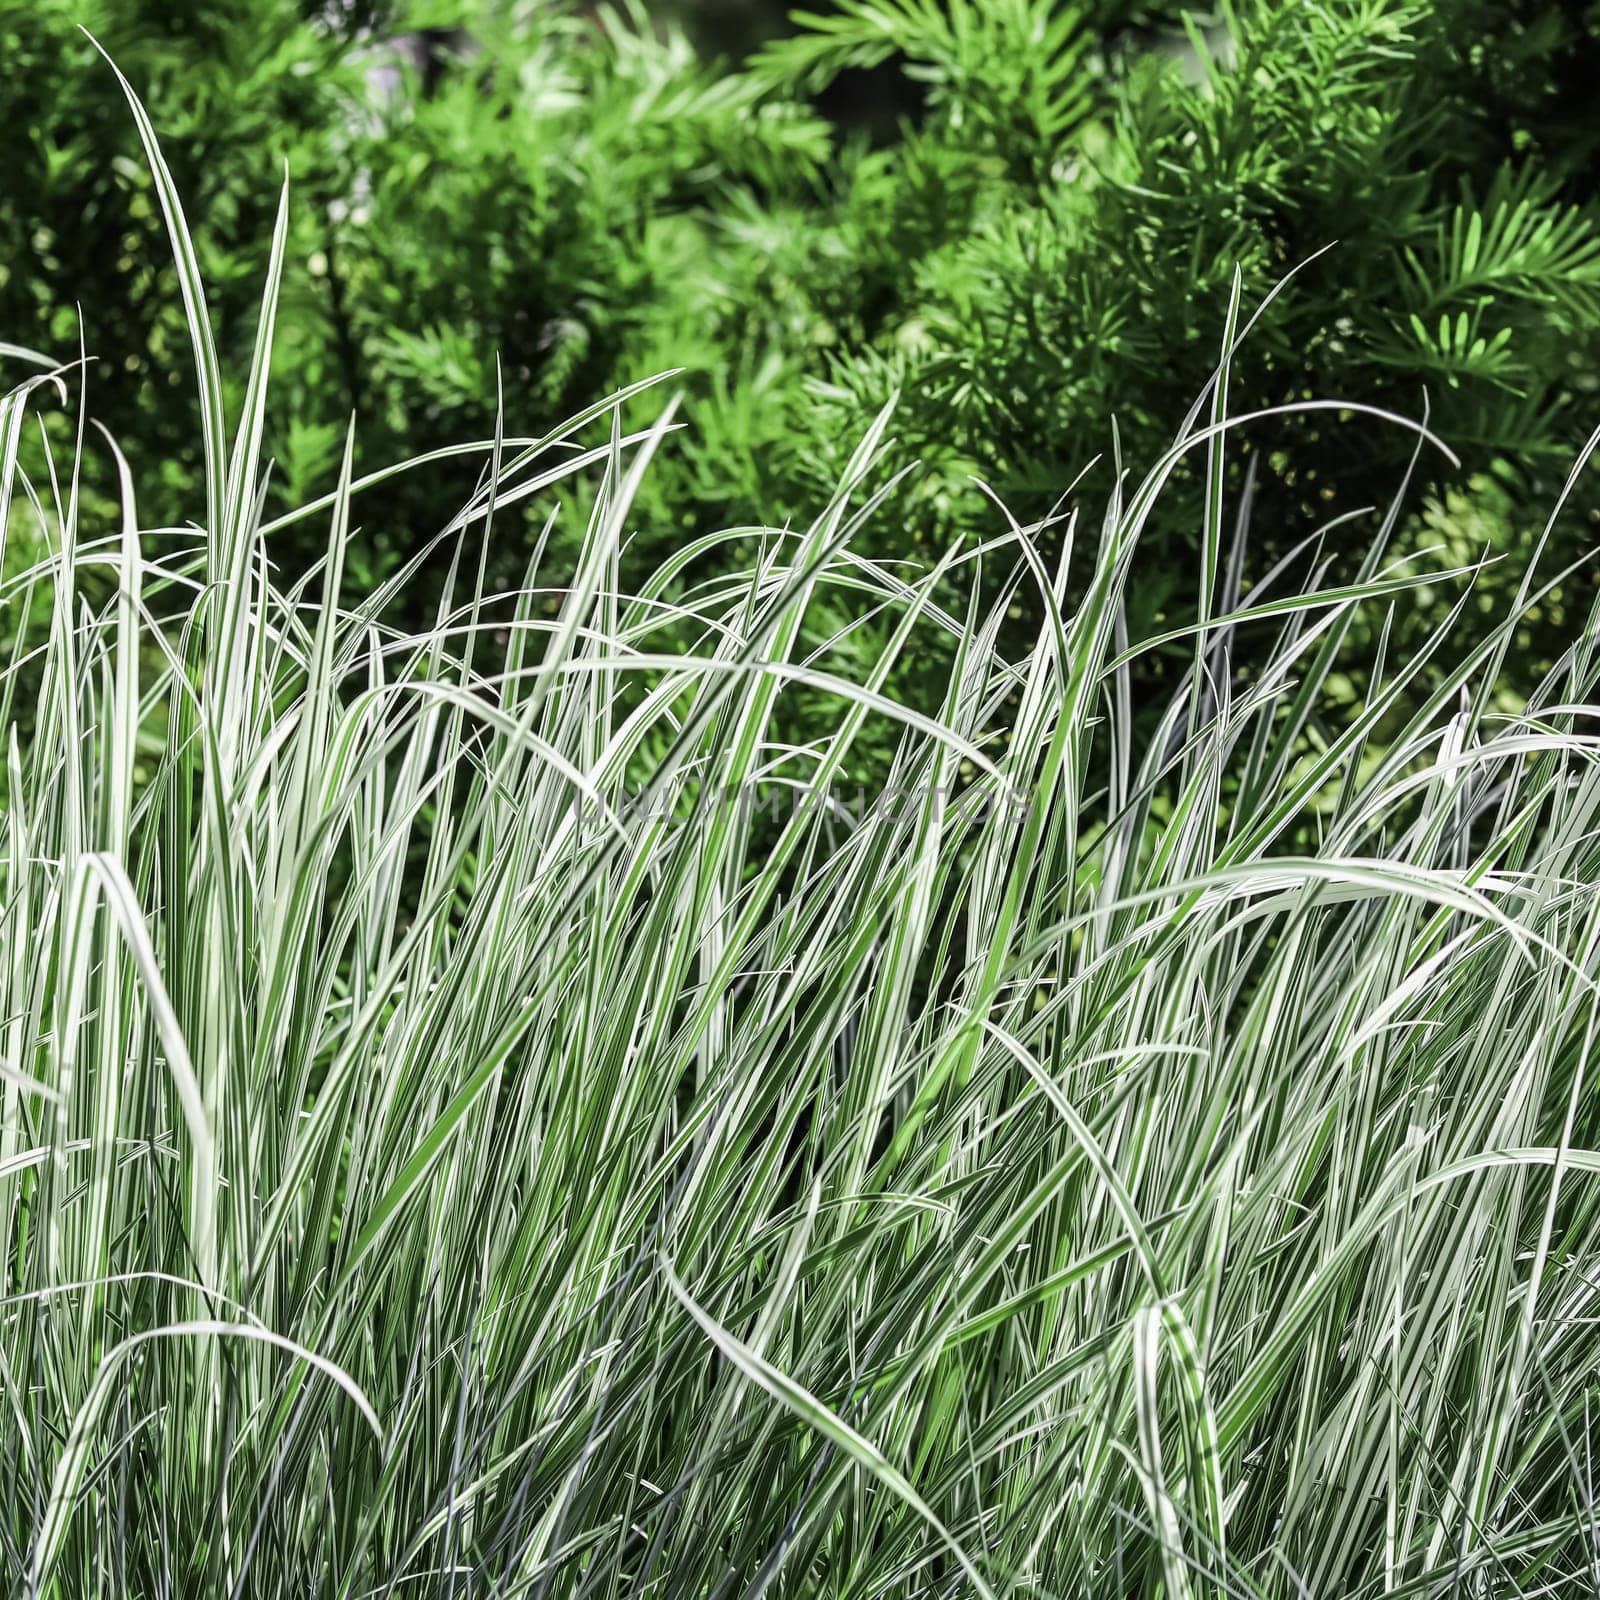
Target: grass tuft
[(484, 1116)]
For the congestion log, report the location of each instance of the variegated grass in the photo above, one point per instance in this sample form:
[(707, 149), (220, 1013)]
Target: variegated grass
[(428, 1169)]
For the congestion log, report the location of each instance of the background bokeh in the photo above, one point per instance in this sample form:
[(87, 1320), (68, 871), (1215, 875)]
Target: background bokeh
[(1019, 218)]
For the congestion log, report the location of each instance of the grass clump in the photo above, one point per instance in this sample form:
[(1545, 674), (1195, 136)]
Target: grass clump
[(459, 1137)]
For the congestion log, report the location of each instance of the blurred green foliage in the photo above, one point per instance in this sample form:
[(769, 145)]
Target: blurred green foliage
[(1021, 216)]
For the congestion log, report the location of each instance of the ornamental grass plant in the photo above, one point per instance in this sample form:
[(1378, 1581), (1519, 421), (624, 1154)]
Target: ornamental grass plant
[(485, 1117)]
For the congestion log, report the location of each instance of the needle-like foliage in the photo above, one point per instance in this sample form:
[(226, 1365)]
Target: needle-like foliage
[(481, 1117)]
